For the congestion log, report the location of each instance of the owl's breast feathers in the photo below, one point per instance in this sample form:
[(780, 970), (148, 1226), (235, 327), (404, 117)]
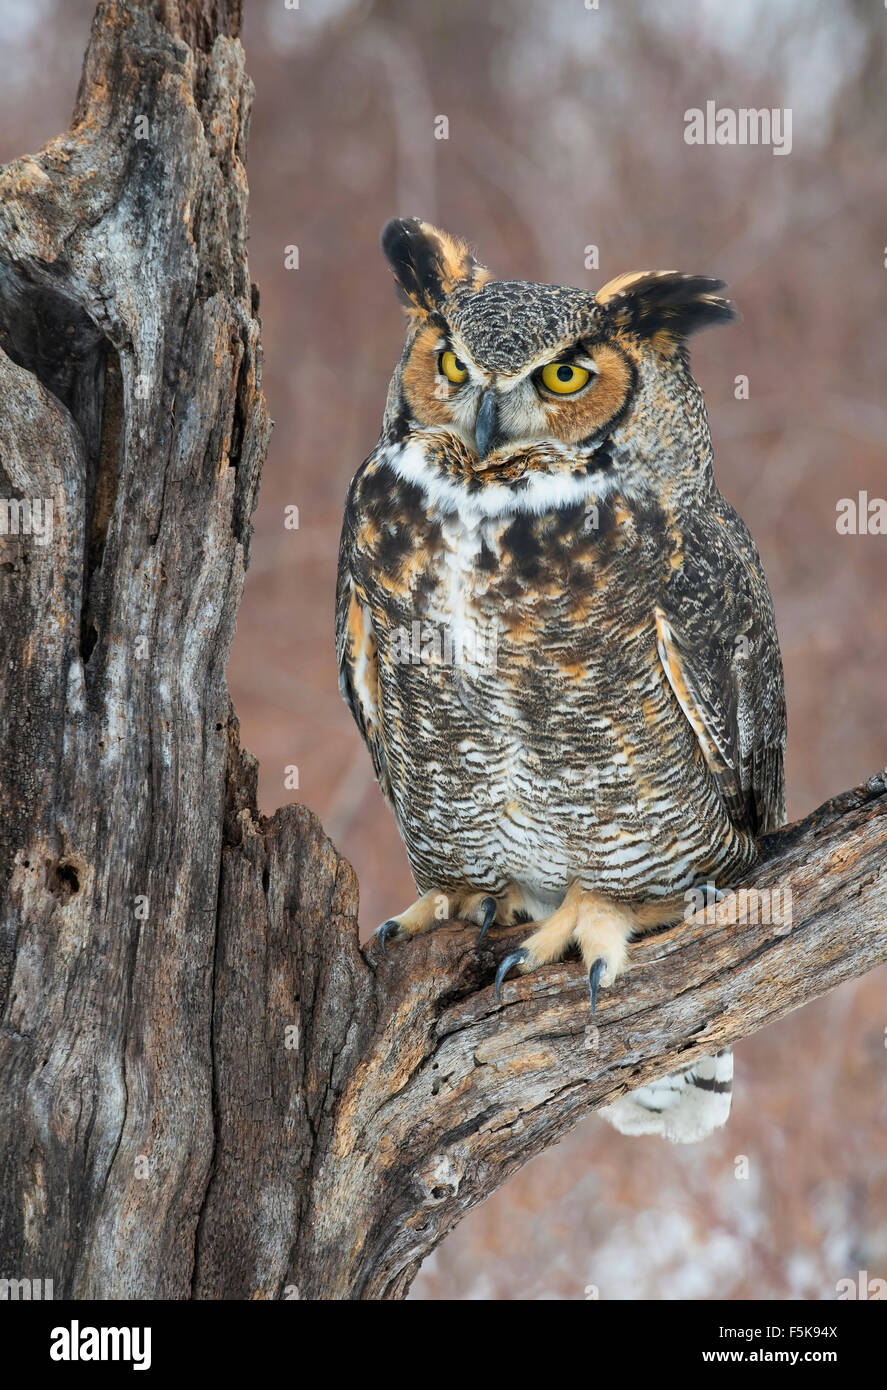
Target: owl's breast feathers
[(600, 682)]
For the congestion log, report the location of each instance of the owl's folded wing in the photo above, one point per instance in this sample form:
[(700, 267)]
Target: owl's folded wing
[(357, 658), (717, 642)]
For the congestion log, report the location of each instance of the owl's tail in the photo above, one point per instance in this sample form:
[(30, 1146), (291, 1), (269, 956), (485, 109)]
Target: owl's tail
[(685, 1106)]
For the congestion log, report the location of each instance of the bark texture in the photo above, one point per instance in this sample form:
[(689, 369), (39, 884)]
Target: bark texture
[(206, 1088)]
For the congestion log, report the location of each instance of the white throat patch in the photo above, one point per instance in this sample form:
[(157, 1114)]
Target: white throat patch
[(542, 492)]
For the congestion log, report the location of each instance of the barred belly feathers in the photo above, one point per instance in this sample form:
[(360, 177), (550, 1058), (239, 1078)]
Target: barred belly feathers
[(554, 633)]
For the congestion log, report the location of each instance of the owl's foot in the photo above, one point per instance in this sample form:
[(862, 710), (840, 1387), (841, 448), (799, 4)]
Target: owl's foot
[(602, 934), (599, 926), (548, 942), (437, 906), (508, 907)]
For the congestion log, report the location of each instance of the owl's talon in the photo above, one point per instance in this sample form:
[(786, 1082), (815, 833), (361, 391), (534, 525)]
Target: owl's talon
[(489, 907), (516, 958), (594, 977), (387, 930)]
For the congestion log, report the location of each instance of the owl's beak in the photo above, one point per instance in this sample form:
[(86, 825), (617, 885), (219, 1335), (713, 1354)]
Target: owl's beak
[(486, 426)]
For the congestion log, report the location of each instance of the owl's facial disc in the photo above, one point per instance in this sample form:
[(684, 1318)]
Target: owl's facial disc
[(569, 394)]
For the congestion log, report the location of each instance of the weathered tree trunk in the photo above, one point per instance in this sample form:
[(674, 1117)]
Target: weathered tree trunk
[(206, 1088)]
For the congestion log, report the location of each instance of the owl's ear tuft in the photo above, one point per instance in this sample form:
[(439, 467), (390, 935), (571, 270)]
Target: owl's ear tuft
[(428, 264), (664, 304)]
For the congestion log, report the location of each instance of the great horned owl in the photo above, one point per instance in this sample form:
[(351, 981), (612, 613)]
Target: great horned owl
[(553, 632)]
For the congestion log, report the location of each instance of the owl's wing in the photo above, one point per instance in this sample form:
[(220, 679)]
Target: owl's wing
[(718, 644), (357, 654)]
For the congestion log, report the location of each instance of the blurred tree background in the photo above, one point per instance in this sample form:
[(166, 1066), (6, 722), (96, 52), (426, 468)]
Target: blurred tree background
[(565, 131)]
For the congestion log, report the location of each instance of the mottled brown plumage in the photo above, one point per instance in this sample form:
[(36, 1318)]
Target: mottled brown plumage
[(554, 633)]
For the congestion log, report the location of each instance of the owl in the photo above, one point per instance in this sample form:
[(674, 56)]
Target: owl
[(553, 632)]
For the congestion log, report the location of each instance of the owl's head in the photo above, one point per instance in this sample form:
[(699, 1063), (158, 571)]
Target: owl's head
[(500, 376)]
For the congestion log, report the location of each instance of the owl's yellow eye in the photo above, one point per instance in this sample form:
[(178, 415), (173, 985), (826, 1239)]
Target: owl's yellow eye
[(564, 378), (452, 368)]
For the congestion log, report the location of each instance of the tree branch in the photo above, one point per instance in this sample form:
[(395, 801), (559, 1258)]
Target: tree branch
[(435, 1093)]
